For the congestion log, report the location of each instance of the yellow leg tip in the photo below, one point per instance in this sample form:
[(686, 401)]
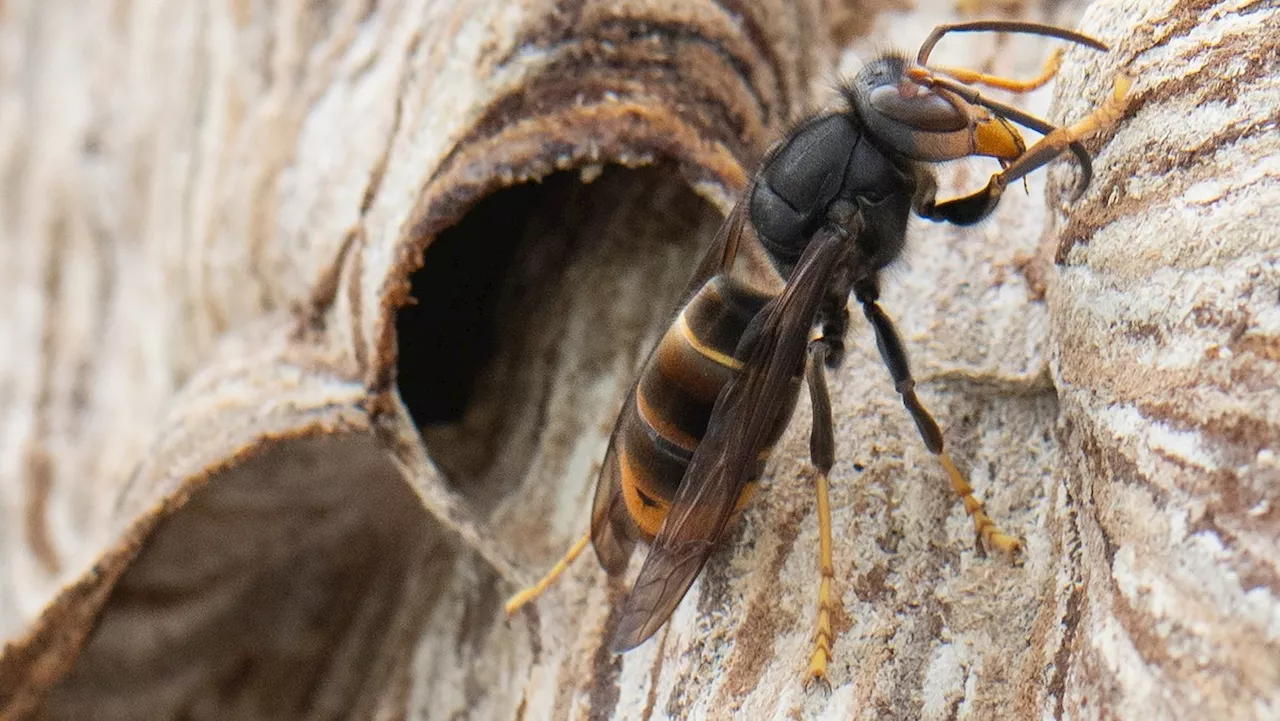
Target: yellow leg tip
[(817, 675), (823, 634), (1122, 85), (989, 535), (521, 598), (515, 603), (1005, 544)]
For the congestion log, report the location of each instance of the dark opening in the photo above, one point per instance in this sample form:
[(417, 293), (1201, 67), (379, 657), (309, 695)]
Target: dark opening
[(540, 291), (279, 590), (451, 331)]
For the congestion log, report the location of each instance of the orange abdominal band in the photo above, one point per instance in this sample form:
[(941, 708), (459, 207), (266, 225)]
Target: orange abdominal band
[(648, 512)]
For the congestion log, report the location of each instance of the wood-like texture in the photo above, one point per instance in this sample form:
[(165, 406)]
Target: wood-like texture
[(1166, 328), (214, 500)]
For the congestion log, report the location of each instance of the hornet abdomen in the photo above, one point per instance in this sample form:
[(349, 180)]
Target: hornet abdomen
[(667, 415)]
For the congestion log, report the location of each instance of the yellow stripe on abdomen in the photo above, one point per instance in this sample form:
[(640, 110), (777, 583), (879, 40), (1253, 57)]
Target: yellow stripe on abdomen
[(718, 357)]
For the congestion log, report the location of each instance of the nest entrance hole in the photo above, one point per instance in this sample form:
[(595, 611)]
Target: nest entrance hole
[(532, 316)]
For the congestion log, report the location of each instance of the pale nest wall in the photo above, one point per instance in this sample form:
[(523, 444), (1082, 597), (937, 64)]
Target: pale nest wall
[(215, 502), (1166, 327)]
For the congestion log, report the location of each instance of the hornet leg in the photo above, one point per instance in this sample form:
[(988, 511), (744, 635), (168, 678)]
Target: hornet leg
[(1013, 85), (895, 358), (969, 209), (822, 454), (518, 600)]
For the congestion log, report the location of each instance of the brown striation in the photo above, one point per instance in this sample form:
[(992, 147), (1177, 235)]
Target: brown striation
[(323, 148), (1213, 73), (1163, 270), (764, 621), (214, 502)]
